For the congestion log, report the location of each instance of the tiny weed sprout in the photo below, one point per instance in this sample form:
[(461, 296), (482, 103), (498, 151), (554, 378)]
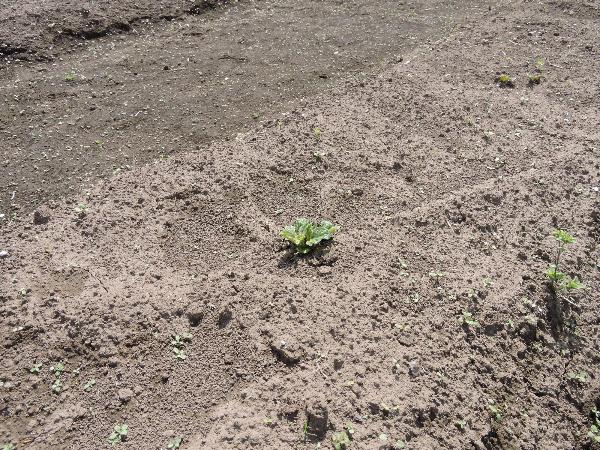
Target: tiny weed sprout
[(81, 210), (179, 354), (559, 281), (504, 80), (9, 446), (461, 424), (89, 385), (594, 433), (178, 341), (340, 441), (496, 412), (119, 434), (305, 431), (35, 369), (70, 76), (535, 79), (56, 386), (175, 443), (399, 445), (305, 235), (468, 320), (580, 377), (436, 276), (317, 133)]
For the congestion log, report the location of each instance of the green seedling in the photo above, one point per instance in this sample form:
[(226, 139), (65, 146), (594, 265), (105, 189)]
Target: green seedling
[(580, 377), (81, 209), (57, 386), (468, 319), (305, 431), (58, 369), (70, 76), (539, 65), (535, 79), (399, 445), (317, 133), (179, 354), (436, 276), (305, 235), (488, 283), (9, 446), (89, 385), (180, 339), (35, 369), (461, 424), (118, 435), (175, 443), (504, 80), (559, 281), (340, 441), (318, 156), (496, 411), (594, 433)]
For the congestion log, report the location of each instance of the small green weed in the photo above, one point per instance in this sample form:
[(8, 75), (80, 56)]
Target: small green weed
[(558, 280), (317, 133), (9, 446), (594, 433), (70, 76), (81, 209), (496, 411), (175, 443), (468, 319), (305, 235), (340, 441), (57, 386), (179, 354), (305, 431), (178, 341), (35, 369), (89, 385), (461, 424), (504, 80), (119, 434), (580, 377)]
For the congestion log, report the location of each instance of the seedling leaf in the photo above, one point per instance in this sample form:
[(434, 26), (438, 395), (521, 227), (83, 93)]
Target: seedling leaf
[(304, 234)]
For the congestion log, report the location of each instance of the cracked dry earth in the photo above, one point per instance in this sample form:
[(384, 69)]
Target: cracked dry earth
[(446, 188)]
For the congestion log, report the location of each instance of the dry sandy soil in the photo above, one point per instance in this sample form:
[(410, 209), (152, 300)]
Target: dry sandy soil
[(446, 187)]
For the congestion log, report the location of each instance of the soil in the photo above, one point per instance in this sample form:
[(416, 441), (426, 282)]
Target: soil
[(110, 104), (426, 323)]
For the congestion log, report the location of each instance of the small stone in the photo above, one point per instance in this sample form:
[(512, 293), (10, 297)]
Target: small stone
[(4, 254), (358, 191), (414, 369), (125, 395)]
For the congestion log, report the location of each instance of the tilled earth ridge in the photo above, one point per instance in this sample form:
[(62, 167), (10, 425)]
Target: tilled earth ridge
[(42, 29), (109, 104), (428, 167)]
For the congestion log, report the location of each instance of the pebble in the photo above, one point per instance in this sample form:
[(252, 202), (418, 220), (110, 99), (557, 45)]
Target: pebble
[(4, 254), (414, 369), (125, 395)]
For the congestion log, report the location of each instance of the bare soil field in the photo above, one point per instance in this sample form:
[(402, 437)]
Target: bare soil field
[(110, 104), (163, 298)]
